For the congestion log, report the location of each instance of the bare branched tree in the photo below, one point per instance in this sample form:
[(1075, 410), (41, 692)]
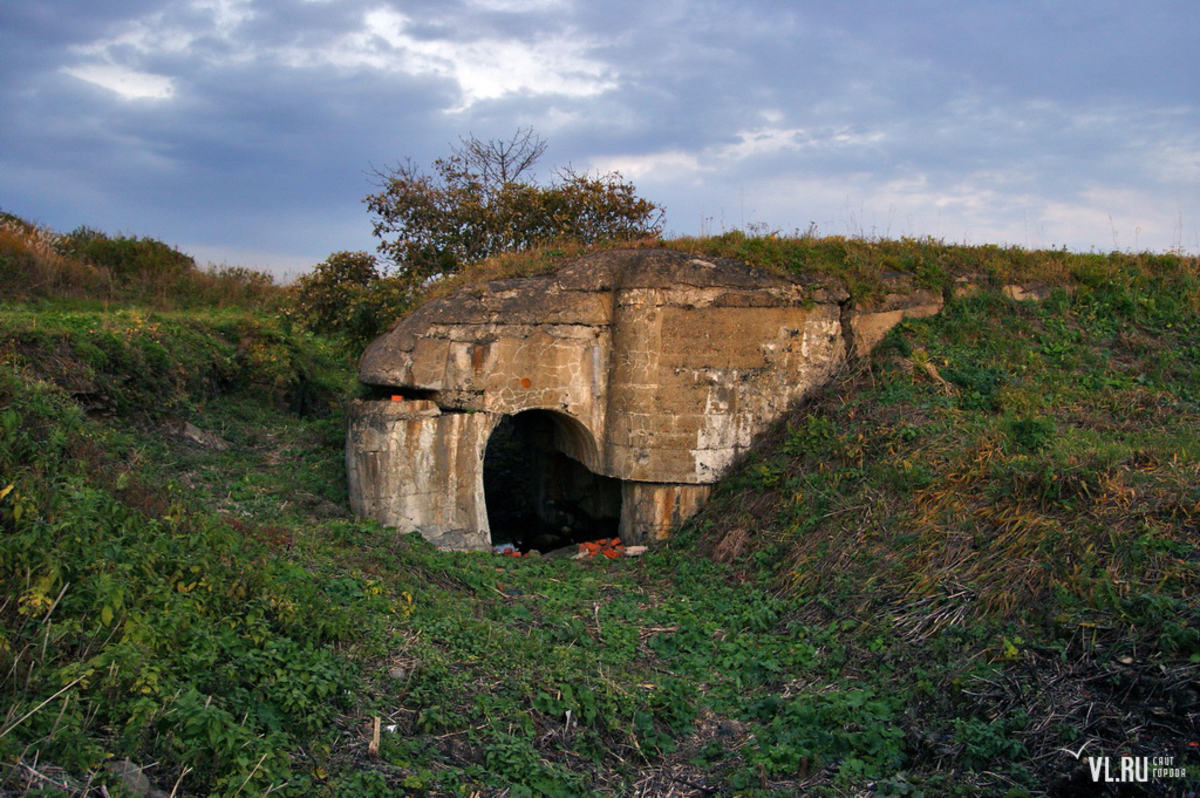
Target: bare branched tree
[(502, 161)]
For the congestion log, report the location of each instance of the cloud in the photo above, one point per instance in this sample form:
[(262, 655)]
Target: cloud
[(484, 67), (765, 141), (520, 6), (760, 144), (1026, 172), (129, 84), (674, 165), (251, 125), (484, 62)]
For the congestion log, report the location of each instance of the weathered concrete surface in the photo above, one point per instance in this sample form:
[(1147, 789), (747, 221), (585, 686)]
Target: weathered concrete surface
[(869, 323), (418, 469), (661, 368), (651, 510)]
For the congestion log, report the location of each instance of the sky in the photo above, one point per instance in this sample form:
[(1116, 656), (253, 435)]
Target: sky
[(247, 132)]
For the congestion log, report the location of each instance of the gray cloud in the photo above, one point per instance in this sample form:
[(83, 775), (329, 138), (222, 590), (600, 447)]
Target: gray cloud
[(248, 126)]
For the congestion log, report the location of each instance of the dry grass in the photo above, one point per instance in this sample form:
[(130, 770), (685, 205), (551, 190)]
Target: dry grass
[(33, 266)]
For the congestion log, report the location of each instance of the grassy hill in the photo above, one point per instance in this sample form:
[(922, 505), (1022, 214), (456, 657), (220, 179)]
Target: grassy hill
[(972, 552)]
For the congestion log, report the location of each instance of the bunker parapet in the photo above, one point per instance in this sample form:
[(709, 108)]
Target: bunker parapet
[(625, 384)]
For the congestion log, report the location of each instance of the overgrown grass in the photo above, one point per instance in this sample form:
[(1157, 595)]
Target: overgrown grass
[(131, 360), (90, 269), (988, 431), (1010, 485), (975, 550), (861, 264)]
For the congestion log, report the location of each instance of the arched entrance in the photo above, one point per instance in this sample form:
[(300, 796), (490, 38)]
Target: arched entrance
[(538, 491)]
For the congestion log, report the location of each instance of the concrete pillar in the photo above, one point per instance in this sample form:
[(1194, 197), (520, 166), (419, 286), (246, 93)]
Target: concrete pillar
[(416, 468), (651, 511)]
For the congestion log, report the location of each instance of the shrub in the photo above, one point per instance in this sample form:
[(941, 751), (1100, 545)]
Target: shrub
[(31, 264), (125, 257), (345, 295), (37, 263)]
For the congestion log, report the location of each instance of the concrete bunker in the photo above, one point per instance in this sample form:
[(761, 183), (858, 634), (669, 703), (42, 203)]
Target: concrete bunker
[(538, 491), (632, 380)]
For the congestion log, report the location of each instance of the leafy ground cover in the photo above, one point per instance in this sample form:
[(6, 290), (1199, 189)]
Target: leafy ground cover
[(1004, 504), (972, 552)]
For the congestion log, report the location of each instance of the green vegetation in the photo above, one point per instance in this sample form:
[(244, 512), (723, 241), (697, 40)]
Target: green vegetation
[(89, 268), (971, 552), (345, 296), (478, 204), (481, 201)]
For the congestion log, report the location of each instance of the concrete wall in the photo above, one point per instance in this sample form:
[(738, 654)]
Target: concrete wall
[(698, 372), (663, 368), (413, 467), (650, 511)]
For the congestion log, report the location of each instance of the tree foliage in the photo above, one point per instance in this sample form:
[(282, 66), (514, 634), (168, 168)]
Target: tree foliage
[(346, 295), (482, 200)]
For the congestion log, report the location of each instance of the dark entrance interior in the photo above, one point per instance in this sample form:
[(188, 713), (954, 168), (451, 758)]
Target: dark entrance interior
[(538, 497)]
